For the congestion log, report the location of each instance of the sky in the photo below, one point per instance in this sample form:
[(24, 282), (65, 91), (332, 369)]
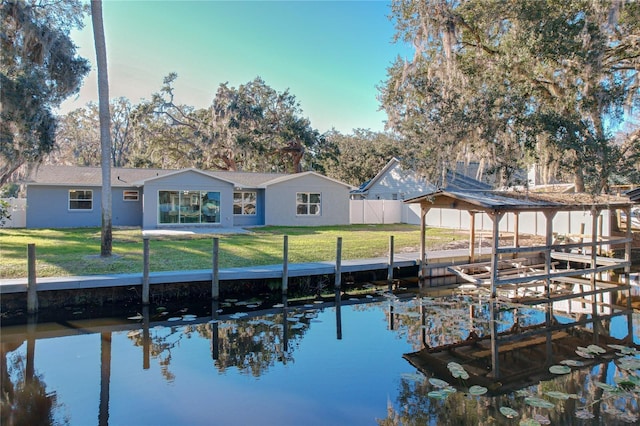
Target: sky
[(331, 55)]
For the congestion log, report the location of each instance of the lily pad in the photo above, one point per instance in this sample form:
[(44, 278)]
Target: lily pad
[(559, 369), (529, 422), (572, 363), (543, 420), (557, 395), (438, 383), (439, 394), (605, 386), (416, 377), (476, 390), (509, 412), (538, 402), (595, 349), (584, 414)]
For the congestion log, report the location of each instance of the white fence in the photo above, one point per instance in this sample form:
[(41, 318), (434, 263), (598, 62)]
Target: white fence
[(18, 213), (395, 211)]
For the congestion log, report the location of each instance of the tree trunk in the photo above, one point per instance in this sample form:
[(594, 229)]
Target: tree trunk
[(105, 126)]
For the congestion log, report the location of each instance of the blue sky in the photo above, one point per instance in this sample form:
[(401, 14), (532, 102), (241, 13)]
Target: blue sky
[(330, 54)]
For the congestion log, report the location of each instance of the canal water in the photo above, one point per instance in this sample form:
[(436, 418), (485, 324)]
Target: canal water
[(242, 363)]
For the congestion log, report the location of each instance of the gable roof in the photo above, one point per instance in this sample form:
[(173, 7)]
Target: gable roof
[(285, 178), (178, 172), (455, 180), (128, 177)]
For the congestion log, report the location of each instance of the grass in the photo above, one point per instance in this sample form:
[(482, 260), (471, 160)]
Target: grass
[(64, 252)]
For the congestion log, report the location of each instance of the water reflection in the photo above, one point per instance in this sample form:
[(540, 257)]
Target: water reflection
[(255, 342)]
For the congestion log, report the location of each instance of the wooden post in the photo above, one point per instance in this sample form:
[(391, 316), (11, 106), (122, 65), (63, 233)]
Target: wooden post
[(594, 265), (581, 239), (422, 274), (495, 354), (145, 270), (390, 264), (627, 271), (285, 266), (32, 292), (472, 237), (516, 230), (549, 215), (215, 281), (495, 218), (338, 263)]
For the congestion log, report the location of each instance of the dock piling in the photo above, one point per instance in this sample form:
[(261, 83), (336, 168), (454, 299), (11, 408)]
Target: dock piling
[(285, 265), (145, 270), (390, 265), (215, 280), (338, 282), (32, 293)]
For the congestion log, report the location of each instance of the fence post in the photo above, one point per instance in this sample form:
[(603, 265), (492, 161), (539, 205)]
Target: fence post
[(32, 295), (215, 282), (285, 265), (338, 263), (390, 266), (145, 270)]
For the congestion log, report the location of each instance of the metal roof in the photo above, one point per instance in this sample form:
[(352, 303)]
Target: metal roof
[(517, 201)]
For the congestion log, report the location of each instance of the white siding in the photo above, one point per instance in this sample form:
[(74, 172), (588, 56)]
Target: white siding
[(404, 184)]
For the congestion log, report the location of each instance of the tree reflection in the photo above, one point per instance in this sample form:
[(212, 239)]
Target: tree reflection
[(24, 399), (249, 344), (606, 392)]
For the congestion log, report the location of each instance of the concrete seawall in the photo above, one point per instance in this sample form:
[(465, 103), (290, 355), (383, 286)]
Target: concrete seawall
[(252, 281)]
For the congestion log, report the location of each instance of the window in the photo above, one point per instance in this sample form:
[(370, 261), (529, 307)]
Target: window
[(130, 195), (188, 207), (244, 203), (80, 199), (308, 203)]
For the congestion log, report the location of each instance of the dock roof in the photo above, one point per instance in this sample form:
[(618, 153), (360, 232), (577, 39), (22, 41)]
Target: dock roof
[(513, 201)]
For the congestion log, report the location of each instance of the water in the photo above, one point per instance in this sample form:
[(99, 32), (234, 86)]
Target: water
[(303, 365)]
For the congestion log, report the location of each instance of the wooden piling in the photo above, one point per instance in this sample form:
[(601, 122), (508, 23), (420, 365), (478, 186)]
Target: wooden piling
[(215, 278), (145, 270), (32, 294), (338, 263), (285, 266), (390, 264)]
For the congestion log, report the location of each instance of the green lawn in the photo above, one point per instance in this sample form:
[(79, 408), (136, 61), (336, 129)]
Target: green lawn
[(63, 252)]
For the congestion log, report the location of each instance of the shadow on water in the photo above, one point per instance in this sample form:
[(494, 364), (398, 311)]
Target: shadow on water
[(598, 383)]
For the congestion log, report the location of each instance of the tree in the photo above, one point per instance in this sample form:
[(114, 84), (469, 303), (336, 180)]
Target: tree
[(39, 68), (516, 81), (105, 127), (251, 128), (361, 155), (78, 135)]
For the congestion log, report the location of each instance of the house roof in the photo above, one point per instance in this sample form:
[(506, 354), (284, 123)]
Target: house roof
[(127, 177), (511, 201), (634, 195), (455, 180), (90, 176), (288, 177)]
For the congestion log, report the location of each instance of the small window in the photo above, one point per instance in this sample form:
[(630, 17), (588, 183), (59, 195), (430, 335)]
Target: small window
[(80, 199), (308, 204), (244, 203), (130, 195)]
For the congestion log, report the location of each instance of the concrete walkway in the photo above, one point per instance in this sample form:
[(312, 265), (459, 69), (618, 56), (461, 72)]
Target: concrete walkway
[(400, 260)]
